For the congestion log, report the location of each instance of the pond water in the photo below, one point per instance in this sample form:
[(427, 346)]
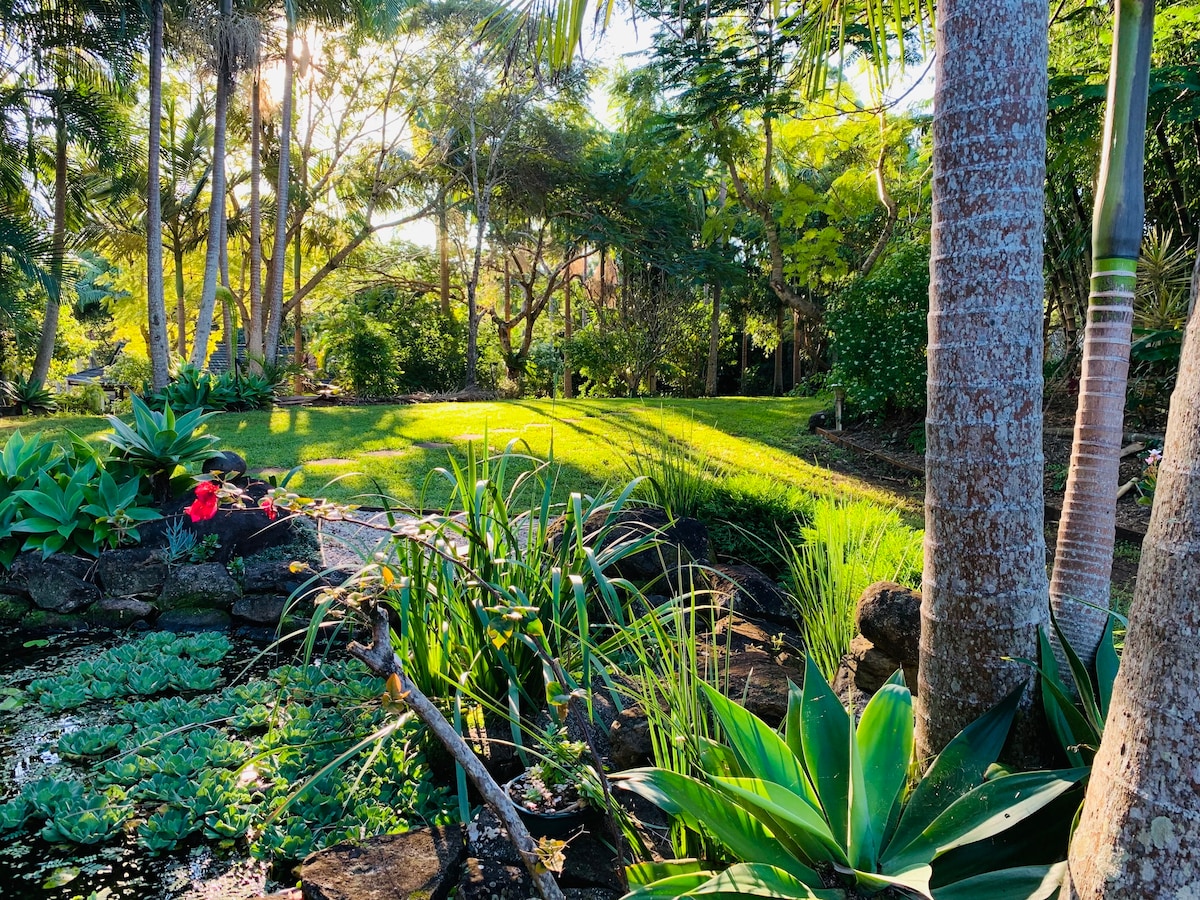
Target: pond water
[(32, 868)]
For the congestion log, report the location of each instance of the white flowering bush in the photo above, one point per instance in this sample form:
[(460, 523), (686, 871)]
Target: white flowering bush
[(878, 334)]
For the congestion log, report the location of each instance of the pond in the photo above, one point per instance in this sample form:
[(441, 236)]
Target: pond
[(200, 864)]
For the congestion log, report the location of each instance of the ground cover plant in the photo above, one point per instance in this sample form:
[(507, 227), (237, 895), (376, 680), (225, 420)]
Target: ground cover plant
[(288, 762)]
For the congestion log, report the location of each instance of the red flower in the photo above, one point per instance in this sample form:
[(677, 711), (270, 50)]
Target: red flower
[(206, 503), (267, 505)]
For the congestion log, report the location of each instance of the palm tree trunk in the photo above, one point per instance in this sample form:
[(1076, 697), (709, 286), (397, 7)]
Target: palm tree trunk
[(568, 380), (216, 206), (443, 246), (714, 342), (984, 583), (1139, 834), (45, 351), (1079, 589), (254, 327), (156, 312), (180, 302), (279, 248)]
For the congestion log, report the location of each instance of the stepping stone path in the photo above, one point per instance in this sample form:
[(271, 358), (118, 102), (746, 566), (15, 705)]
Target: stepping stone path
[(433, 445), (330, 461), (384, 454)]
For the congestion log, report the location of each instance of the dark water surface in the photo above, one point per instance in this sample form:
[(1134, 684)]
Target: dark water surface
[(28, 738)]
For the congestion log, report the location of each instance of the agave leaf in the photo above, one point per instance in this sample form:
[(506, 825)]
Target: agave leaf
[(789, 812), (1107, 664), (1083, 681), (650, 872), (791, 721), (826, 732), (670, 887), (757, 880), (758, 748), (1023, 883), (914, 879), (700, 806), (885, 740), (957, 769), (987, 810)]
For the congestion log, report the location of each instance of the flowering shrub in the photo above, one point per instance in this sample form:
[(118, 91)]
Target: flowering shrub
[(1147, 481), (878, 334)]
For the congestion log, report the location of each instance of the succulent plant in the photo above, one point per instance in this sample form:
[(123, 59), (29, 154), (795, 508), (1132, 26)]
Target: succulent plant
[(164, 829), (92, 741), (66, 695), (14, 813)]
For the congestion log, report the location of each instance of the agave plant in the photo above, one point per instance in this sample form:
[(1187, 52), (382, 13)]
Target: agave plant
[(31, 397), (158, 443), (52, 521), (116, 511), (833, 797)]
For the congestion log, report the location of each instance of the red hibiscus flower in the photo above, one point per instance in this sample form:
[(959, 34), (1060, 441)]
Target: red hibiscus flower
[(267, 505), (206, 503)]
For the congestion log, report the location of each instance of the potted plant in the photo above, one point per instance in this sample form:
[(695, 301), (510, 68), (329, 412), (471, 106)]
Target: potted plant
[(560, 793)]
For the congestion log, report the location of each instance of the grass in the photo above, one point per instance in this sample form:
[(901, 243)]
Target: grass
[(379, 449)]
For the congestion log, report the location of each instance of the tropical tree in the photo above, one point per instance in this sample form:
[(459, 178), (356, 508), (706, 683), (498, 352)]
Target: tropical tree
[(1139, 834), (1079, 588), (984, 580), (156, 309)]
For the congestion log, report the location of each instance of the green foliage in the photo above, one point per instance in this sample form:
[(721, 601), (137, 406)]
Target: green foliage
[(671, 475), (94, 740), (85, 399), (30, 397), (116, 511), (194, 389), (830, 795), (748, 514), (156, 663), (158, 443), (360, 350), (133, 372), (1076, 710), (848, 546), (54, 522), (878, 332)]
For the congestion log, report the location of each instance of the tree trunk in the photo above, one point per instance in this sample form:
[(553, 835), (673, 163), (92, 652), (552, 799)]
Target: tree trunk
[(279, 247), (180, 302), (777, 382), (1087, 528), (745, 361), (443, 246), (45, 350), (471, 381), (1139, 834), (216, 205), (984, 583), (568, 382), (1173, 182), (254, 327), (797, 375), (714, 342), (158, 344)]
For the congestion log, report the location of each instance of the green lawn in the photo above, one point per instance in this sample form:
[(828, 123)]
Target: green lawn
[(376, 447)]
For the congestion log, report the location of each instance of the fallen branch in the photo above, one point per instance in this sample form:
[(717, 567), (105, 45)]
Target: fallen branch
[(381, 659)]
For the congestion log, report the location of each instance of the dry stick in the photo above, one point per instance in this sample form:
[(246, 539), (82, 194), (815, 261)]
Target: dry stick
[(381, 659)]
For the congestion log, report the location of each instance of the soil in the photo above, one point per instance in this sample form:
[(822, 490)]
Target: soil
[(888, 455)]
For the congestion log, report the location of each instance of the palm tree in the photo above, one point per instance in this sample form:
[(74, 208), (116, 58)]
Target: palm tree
[(984, 582), (156, 315), (79, 58), (1079, 589), (1139, 834)]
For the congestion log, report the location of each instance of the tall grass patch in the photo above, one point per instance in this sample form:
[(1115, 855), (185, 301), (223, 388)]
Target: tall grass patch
[(847, 546)]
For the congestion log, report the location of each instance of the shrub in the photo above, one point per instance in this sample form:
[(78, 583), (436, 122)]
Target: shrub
[(747, 515), (85, 399), (360, 351), (133, 372), (878, 334)]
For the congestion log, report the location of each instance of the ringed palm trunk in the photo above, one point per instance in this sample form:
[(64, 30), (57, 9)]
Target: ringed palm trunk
[(984, 583), (1139, 834), (254, 327), (714, 342), (279, 248), (156, 309), (1079, 589), (45, 351), (216, 206)]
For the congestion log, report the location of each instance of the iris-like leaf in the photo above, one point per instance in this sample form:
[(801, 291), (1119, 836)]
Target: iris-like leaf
[(1023, 883)]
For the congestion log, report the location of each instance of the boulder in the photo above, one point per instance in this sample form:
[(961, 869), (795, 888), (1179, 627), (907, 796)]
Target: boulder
[(193, 620), (226, 463), (868, 666), (203, 586), (422, 864), (760, 683), (629, 743), (588, 861), (57, 583), (13, 608), (118, 612), (826, 418), (130, 573), (889, 616), (240, 532), (751, 594), (43, 621), (260, 609), (677, 543), (276, 576)]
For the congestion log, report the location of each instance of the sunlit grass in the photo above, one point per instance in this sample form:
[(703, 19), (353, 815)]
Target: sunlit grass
[(591, 440)]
